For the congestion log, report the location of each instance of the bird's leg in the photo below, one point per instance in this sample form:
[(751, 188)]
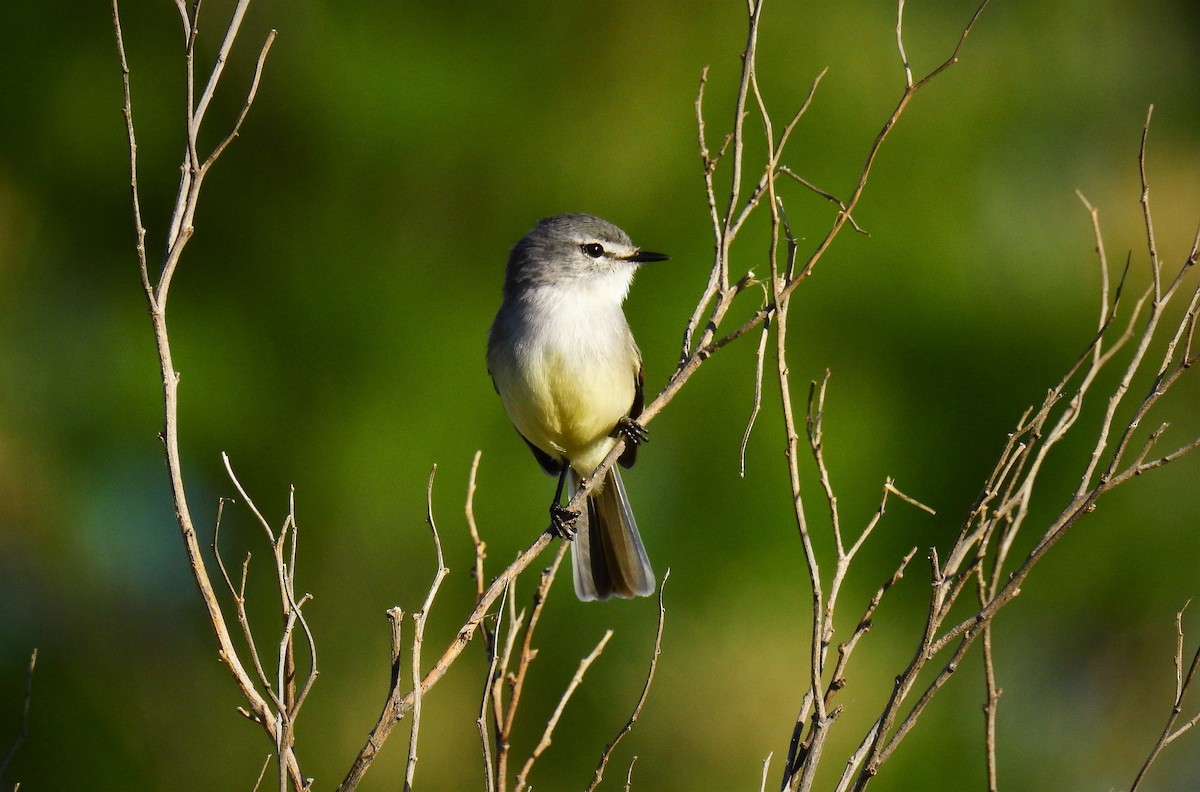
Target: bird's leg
[(562, 519), (631, 431)]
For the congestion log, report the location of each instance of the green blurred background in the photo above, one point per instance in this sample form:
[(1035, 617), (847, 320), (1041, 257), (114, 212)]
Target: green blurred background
[(329, 321)]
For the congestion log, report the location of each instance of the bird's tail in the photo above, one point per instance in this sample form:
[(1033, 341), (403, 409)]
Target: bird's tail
[(607, 555)]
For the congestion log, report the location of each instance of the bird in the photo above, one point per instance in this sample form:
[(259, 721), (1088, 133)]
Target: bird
[(569, 374)]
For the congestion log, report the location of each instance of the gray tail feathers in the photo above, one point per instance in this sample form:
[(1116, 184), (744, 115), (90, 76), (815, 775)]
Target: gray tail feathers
[(607, 555)]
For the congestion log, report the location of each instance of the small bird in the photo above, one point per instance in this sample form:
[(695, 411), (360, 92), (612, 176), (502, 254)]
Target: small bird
[(569, 373)]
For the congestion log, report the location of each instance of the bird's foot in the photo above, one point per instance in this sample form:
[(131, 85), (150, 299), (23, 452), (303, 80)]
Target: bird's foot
[(631, 431), (562, 522)]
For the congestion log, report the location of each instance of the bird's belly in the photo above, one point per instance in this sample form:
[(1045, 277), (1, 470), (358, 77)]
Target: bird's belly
[(568, 402)]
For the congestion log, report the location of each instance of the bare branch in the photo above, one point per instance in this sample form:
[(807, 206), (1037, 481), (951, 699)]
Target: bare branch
[(637, 709), (544, 742), (419, 618), (758, 377), (245, 111), (1155, 264), (259, 709), (127, 111), (481, 722), (1183, 682), (786, 171), (214, 78), (504, 725), (479, 544), (992, 692)]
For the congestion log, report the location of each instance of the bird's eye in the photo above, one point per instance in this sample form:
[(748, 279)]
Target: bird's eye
[(593, 249)]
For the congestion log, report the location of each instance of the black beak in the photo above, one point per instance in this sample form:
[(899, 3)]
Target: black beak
[(642, 256)]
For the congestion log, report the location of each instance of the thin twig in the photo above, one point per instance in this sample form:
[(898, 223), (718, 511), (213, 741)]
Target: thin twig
[(250, 94), (1183, 681), (759, 357), (547, 735), (396, 707), (786, 171), (637, 709), (419, 619), (476, 541), (504, 726), (992, 692), (156, 293), (481, 722)]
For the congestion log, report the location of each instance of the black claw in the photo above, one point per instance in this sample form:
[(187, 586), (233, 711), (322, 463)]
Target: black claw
[(562, 522), (631, 431)]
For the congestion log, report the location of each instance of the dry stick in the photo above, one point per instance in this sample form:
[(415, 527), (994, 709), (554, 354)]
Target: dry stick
[(239, 599), (284, 694), (820, 716), (1155, 267), (786, 171), (181, 229), (1182, 683), (637, 709), (804, 753), (1019, 463), (867, 755), (286, 576), (490, 635), (544, 742), (504, 727), (156, 298), (725, 230), (419, 619), (766, 767), (476, 541), (710, 164), (772, 170), (294, 616), (1157, 306), (781, 303), (261, 774), (277, 690), (395, 618), (503, 679), (814, 427), (629, 775), (397, 706), (967, 631), (798, 749), (489, 775), (992, 693), (766, 185), (754, 8), (758, 378), (1157, 309), (298, 611)]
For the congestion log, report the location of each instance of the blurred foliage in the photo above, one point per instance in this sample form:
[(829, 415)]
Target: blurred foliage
[(329, 321)]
